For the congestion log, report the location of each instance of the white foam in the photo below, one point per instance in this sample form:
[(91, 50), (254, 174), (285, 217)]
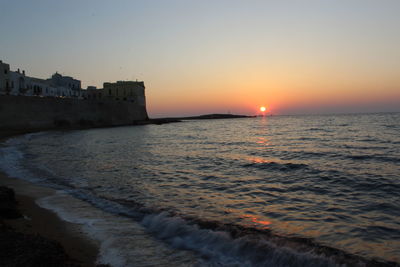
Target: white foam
[(29, 136), (222, 250), (123, 242), (11, 159)]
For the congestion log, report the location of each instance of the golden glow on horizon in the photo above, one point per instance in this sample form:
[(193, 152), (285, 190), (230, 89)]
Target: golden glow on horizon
[(319, 59), (263, 109)]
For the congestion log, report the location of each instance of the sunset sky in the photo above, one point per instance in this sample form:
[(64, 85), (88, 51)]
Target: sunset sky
[(218, 56)]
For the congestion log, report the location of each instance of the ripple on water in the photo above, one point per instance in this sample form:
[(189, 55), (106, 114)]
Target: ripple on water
[(332, 179)]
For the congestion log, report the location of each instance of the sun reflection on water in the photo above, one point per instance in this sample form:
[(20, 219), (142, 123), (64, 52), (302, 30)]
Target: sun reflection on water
[(260, 223)]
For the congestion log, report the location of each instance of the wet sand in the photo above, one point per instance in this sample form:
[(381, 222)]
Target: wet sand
[(37, 220)]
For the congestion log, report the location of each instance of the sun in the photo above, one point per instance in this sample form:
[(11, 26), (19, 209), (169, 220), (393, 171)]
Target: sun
[(263, 109)]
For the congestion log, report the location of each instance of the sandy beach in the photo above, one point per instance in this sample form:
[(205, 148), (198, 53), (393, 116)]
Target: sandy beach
[(39, 221)]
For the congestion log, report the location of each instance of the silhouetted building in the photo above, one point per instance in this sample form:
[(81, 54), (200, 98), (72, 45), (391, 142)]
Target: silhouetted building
[(17, 83), (5, 81), (126, 91)]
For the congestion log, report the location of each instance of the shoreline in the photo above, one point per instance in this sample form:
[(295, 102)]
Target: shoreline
[(45, 223), (38, 221), (28, 192)]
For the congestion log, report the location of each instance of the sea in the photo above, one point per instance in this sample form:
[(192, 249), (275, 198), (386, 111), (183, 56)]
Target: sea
[(317, 190)]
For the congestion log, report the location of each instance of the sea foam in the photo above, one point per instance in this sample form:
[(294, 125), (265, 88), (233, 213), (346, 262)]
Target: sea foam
[(122, 241)]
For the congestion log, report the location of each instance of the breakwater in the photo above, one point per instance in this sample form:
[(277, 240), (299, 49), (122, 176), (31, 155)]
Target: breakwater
[(35, 113)]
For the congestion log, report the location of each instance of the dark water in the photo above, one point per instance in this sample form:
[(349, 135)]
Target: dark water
[(276, 191)]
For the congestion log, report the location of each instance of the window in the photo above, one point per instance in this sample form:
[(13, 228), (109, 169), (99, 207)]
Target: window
[(5, 71), (109, 91)]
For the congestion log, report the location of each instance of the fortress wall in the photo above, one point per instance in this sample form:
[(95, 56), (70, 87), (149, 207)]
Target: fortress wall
[(26, 113)]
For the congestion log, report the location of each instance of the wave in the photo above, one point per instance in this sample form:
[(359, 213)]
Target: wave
[(232, 245), (11, 158), (275, 166), (123, 241), (374, 158), (227, 244), (222, 250), (216, 243), (316, 129)]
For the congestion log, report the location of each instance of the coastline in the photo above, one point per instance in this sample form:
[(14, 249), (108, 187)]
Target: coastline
[(81, 250), (30, 192)]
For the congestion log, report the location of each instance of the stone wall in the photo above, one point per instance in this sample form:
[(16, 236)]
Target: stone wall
[(32, 113)]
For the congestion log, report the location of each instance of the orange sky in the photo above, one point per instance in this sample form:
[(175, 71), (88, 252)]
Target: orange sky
[(199, 57)]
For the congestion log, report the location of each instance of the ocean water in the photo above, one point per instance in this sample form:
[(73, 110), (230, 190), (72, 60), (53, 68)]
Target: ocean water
[(273, 191)]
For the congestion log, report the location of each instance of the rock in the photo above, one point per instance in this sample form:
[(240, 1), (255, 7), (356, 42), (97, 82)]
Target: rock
[(18, 249), (8, 204)]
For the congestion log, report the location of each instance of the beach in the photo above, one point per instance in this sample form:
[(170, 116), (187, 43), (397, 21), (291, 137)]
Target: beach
[(38, 221)]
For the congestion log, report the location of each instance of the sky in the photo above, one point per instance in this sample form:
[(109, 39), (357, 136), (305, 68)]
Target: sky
[(217, 56)]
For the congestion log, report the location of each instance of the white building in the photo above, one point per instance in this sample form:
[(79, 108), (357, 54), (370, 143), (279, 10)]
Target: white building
[(5, 82), (17, 83)]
